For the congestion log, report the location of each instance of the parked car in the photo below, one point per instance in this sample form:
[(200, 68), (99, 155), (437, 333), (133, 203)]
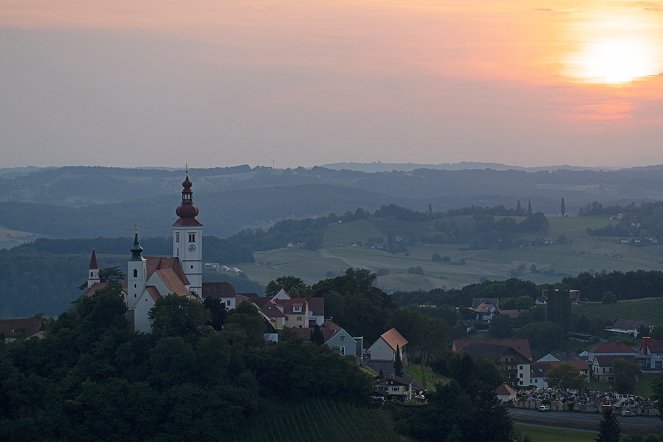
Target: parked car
[(544, 407)]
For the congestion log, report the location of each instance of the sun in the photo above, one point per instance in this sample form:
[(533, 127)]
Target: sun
[(616, 61), (616, 50)]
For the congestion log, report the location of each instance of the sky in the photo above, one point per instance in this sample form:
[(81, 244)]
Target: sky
[(298, 82)]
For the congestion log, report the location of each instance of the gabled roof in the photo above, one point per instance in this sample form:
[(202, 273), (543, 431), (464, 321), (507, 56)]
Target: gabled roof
[(172, 281), (22, 327), (505, 390), (611, 347), (393, 339), (328, 329), (521, 346), (154, 263), (153, 292), (290, 304), (655, 345), (317, 306), (609, 361), (484, 307), (271, 310), (477, 301), (395, 379), (218, 289)]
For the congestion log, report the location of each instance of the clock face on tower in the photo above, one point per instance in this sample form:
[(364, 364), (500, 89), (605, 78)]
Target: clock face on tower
[(192, 247)]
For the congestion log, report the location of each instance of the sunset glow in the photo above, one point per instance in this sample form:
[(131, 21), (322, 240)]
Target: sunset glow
[(617, 47), (330, 80)]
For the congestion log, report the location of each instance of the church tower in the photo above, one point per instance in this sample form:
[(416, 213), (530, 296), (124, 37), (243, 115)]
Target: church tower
[(93, 271), (136, 275), (188, 239)]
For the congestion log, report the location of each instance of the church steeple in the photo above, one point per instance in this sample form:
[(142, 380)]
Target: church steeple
[(136, 250), (93, 270), (188, 238)]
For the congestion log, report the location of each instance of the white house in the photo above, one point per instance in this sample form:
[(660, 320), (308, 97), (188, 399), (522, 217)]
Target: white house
[(384, 348)]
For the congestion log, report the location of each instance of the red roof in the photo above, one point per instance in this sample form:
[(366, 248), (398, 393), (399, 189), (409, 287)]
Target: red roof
[(155, 263), (317, 306), (20, 328), (173, 282), (218, 289), (611, 347), (93, 261), (154, 293), (393, 339), (271, 310), (519, 345), (290, 304), (505, 390), (94, 288)]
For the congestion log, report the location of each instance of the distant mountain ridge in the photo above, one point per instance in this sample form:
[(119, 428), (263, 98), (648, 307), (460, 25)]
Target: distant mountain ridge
[(101, 201), (379, 166)]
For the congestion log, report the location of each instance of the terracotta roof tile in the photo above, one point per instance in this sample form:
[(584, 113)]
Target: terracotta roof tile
[(155, 263), (94, 289), (505, 390), (22, 327), (393, 339), (218, 289), (521, 346), (173, 282), (317, 305)]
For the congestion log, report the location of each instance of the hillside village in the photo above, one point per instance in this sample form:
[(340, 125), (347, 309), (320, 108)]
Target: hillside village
[(557, 380)]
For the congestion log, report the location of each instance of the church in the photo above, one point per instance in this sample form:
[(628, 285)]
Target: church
[(150, 278)]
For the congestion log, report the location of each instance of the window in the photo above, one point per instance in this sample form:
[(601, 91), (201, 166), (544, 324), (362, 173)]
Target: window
[(91, 274), (299, 318), (342, 350), (135, 273), (192, 237), (192, 266), (520, 375), (520, 367), (394, 388), (342, 338), (297, 308), (228, 302), (177, 236)]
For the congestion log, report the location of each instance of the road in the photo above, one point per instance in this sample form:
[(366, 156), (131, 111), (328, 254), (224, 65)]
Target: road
[(585, 421)]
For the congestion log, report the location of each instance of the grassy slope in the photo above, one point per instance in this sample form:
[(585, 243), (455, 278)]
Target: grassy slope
[(11, 238), (547, 434), (643, 309), (585, 253), (319, 420)]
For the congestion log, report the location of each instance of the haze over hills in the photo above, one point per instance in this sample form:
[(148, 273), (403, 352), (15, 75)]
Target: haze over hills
[(102, 201), (379, 166)]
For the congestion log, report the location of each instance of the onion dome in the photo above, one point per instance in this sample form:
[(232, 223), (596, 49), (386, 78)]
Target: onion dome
[(186, 211)]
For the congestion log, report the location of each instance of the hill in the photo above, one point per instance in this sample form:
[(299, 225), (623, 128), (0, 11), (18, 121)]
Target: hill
[(102, 201)]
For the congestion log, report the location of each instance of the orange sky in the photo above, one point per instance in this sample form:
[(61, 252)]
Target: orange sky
[(302, 83)]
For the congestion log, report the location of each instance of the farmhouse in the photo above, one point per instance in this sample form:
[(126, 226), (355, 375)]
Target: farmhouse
[(387, 345), (512, 356)]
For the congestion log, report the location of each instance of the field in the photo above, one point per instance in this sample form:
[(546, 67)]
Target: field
[(319, 420), (424, 376), (551, 262), (641, 309), (548, 434), (11, 238)]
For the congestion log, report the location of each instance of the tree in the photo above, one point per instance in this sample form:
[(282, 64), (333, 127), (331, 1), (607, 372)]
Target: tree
[(626, 376), (317, 336), (111, 275), (543, 336), (178, 316), (609, 298), (519, 208), (559, 308), (398, 362), (565, 376), (500, 327), (609, 429), (247, 319), (529, 208), (217, 311), (562, 209), (294, 286)]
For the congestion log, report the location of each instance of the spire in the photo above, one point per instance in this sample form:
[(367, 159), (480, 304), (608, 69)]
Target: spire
[(186, 211), (136, 250), (93, 261)]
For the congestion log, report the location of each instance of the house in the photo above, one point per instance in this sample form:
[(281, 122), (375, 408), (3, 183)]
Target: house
[(629, 327), (335, 336), (505, 393), (394, 387), (512, 356), (541, 369), (223, 291), (603, 366), (385, 347), (485, 308), (21, 328), (609, 349), (651, 354), (316, 307), (541, 300), (559, 356)]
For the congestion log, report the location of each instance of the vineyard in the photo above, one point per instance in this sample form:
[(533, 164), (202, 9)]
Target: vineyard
[(319, 420)]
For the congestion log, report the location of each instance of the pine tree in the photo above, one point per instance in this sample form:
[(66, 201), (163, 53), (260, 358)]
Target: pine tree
[(519, 208), (317, 336), (398, 362), (609, 429), (563, 208), (529, 208)]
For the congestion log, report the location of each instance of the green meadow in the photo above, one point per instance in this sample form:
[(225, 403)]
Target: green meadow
[(541, 264)]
